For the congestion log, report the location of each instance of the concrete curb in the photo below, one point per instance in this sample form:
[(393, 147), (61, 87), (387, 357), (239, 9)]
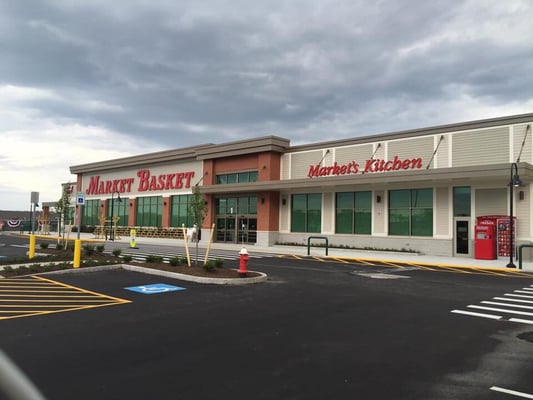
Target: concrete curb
[(198, 279), (174, 275)]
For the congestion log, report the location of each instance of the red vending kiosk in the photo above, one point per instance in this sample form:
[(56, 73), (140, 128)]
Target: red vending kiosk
[(501, 234), (485, 242)]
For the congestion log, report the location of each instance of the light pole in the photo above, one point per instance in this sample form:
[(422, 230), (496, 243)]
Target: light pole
[(112, 233), (514, 182)]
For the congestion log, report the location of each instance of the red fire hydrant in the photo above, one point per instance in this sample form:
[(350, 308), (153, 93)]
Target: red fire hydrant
[(243, 263)]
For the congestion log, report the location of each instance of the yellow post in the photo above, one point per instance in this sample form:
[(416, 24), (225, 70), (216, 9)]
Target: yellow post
[(77, 253), (186, 243), (31, 253)]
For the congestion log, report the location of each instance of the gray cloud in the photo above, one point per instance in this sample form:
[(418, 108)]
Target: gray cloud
[(217, 70)]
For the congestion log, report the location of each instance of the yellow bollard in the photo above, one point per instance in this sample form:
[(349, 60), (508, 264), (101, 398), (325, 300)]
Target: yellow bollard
[(31, 253), (77, 253)]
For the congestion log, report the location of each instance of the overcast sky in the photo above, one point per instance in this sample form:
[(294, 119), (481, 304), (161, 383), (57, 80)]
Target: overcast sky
[(84, 81)]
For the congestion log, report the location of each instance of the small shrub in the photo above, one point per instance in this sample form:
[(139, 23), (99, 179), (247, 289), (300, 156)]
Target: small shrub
[(219, 262), (7, 268), (43, 245), (35, 268), (175, 261), (210, 266), (49, 267), (88, 249), (59, 246), (100, 248), (183, 260), (22, 270), (127, 258), (117, 252), (152, 258)]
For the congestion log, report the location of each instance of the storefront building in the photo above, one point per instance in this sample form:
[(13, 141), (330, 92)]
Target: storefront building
[(421, 190)]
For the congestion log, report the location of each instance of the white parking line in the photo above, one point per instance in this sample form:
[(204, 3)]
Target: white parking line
[(522, 321), (501, 310), (513, 392), (477, 314), (515, 300)]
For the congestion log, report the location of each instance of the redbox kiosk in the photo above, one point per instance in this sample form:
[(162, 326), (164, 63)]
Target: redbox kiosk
[(485, 242), (501, 235)]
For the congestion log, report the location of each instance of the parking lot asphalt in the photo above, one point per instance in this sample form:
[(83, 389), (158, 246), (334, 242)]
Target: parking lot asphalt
[(312, 331)]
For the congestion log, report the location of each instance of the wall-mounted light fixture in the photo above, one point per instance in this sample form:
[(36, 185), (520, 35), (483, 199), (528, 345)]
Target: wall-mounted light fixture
[(378, 199), (283, 201), (521, 195), (262, 200)]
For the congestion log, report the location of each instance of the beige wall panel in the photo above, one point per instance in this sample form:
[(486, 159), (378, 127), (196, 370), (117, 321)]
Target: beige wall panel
[(442, 207), (523, 213), (442, 158), (286, 166), (345, 155), (487, 146), (519, 139), (379, 226), (328, 213), (300, 163), (284, 215), (491, 202), (422, 147)]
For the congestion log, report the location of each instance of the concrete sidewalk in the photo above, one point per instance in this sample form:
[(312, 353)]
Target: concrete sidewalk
[(335, 252)]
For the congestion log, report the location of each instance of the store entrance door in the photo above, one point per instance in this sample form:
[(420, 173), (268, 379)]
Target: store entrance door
[(236, 229), (462, 237)]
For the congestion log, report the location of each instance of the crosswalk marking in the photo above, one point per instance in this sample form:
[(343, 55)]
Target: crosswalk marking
[(500, 307)]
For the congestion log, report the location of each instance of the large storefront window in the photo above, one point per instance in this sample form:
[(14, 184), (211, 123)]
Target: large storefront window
[(120, 209), (306, 213), (180, 211), (149, 211), (238, 177), (411, 212), (92, 212), (461, 201), (353, 213)]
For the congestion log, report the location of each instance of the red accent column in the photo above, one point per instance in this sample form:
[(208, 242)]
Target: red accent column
[(165, 223)]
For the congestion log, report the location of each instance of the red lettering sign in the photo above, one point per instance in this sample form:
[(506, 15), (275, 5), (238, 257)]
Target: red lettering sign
[(370, 166), (147, 183)]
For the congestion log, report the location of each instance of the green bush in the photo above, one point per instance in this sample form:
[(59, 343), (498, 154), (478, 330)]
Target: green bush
[(100, 248), (127, 258), (7, 268), (175, 261), (88, 249), (43, 245), (152, 258), (210, 266), (59, 246), (183, 260), (22, 270), (34, 268), (117, 252), (219, 262)]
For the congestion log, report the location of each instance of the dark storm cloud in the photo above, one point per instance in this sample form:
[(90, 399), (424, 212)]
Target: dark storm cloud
[(202, 70)]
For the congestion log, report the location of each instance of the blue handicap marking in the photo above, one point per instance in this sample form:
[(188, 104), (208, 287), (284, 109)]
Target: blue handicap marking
[(154, 288)]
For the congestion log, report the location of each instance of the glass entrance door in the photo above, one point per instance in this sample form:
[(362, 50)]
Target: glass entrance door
[(462, 237), (236, 219)]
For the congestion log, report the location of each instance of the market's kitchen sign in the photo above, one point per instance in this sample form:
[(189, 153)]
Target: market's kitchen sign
[(146, 183), (370, 166)]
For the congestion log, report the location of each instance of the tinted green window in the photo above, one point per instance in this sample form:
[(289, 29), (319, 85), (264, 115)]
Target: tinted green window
[(411, 212), (239, 177), (149, 211), (306, 212), (353, 213), (461, 201), (92, 212), (120, 209), (180, 210)]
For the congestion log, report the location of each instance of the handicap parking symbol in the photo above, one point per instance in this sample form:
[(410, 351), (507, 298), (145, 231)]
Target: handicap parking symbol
[(154, 288)]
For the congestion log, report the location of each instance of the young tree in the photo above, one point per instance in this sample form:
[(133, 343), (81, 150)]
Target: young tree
[(197, 212), (63, 208)]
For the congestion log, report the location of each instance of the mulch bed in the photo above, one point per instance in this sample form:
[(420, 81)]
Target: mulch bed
[(98, 258)]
